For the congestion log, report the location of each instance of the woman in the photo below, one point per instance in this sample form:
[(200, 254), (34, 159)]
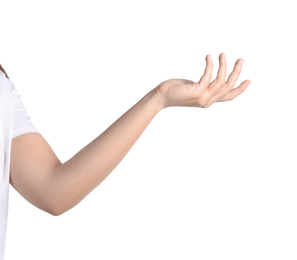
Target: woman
[(38, 175)]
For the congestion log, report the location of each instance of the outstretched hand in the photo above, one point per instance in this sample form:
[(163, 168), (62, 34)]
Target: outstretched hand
[(58, 187), (182, 92)]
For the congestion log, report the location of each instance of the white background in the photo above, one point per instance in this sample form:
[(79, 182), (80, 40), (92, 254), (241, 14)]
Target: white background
[(216, 183)]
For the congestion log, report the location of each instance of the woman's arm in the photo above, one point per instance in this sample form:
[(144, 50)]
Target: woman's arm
[(43, 180), (54, 187)]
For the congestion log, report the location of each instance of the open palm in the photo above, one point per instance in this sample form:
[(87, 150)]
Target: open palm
[(183, 92)]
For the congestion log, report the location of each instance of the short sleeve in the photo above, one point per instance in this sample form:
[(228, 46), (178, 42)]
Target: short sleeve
[(21, 121)]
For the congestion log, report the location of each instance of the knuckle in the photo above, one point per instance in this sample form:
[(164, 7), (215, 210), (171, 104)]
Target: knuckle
[(228, 86), (232, 96), (220, 80), (217, 83), (202, 101)]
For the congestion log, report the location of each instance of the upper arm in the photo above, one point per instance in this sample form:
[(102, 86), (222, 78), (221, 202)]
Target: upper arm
[(32, 161), (31, 157)]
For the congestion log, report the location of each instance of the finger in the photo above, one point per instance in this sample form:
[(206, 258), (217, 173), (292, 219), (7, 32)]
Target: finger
[(206, 77), (222, 71), (236, 91), (233, 77)]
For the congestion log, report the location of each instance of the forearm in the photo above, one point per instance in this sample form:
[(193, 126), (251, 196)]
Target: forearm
[(72, 181)]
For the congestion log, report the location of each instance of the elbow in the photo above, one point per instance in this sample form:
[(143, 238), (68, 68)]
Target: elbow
[(56, 209), (58, 204), (55, 212)]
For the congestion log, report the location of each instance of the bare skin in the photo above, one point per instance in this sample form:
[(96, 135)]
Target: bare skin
[(55, 187)]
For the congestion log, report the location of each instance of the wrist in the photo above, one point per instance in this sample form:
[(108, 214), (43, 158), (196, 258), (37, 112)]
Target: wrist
[(158, 98)]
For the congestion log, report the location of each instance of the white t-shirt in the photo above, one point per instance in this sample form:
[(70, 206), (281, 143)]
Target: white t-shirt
[(14, 121)]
